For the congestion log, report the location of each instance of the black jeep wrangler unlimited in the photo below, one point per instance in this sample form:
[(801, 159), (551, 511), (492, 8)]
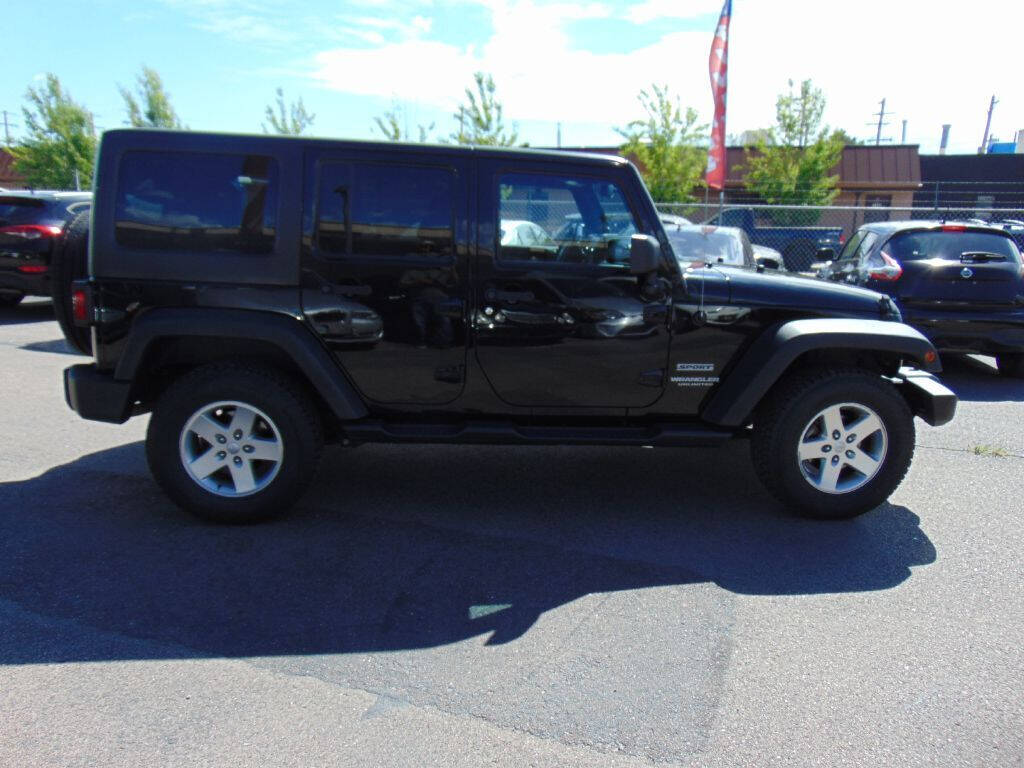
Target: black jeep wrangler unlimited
[(262, 295)]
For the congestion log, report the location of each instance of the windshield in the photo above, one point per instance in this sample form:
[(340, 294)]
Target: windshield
[(915, 246), (711, 246)]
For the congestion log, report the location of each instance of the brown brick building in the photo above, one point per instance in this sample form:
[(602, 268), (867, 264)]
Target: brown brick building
[(8, 178)]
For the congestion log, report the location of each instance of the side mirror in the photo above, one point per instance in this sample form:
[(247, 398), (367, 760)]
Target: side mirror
[(767, 262), (826, 254), (644, 255)]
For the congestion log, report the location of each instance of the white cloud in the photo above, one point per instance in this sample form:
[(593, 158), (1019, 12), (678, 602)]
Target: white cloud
[(932, 65), (652, 10)]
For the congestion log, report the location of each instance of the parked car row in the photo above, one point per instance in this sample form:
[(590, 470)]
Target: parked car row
[(31, 226), (960, 283)]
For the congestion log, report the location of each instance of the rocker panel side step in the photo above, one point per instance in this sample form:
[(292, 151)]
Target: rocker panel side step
[(506, 433)]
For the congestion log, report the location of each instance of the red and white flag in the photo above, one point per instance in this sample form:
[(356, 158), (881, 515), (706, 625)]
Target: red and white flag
[(717, 65)]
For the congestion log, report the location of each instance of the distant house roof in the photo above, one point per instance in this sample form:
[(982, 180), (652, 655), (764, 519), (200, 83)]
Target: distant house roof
[(861, 166)]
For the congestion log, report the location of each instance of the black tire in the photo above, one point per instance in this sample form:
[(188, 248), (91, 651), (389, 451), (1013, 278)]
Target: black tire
[(291, 419), (785, 421), (70, 263), (11, 299), (1011, 365)]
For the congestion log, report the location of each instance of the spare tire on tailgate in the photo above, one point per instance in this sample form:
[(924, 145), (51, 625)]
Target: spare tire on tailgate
[(69, 263)]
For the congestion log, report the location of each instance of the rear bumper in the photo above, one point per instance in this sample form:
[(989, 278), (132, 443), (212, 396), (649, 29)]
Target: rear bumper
[(985, 333), (31, 284), (927, 396), (95, 395)]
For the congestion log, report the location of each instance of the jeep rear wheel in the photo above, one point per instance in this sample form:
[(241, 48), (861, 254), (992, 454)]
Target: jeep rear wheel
[(234, 442), (833, 443)]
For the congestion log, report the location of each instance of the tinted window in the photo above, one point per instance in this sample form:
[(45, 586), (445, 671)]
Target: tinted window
[(912, 246), (569, 219), (858, 245), (197, 202), (385, 211), (15, 210)]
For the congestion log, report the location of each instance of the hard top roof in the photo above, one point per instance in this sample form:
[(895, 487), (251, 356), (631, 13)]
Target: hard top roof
[(127, 134)]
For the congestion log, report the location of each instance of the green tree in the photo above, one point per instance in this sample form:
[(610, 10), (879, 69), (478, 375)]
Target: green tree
[(392, 124), (288, 120), (665, 145), (792, 164), (480, 118), (150, 105), (59, 147)]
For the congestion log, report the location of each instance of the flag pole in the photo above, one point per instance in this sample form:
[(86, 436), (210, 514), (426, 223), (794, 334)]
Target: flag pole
[(718, 71)]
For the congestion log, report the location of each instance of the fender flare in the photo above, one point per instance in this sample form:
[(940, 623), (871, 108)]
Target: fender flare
[(285, 332), (772, 353)]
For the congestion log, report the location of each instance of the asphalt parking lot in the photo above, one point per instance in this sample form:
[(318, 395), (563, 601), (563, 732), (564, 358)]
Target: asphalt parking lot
[(476, 606)]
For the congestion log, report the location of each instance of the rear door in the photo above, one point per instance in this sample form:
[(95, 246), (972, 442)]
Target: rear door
[(562, 322), (384, 269), (956, 267)]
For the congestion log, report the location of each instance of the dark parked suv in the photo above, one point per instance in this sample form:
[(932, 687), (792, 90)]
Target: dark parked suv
[(962, 285), (31, 225), (262, 295)]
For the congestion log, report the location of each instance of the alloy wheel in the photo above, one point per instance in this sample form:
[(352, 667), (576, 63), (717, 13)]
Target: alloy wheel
[(842, 448)]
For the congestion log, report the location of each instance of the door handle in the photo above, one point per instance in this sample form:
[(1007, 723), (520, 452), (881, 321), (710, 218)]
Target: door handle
[(656, 314), (493, 294)]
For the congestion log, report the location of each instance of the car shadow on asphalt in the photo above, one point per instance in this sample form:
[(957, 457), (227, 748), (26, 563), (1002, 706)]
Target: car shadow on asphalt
[(976, 379), (27, 312), (399, 548)]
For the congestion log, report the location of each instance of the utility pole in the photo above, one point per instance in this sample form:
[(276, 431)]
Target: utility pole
[(903, 135), (7, 131), (988, 124), (559, 142), (881, 117)]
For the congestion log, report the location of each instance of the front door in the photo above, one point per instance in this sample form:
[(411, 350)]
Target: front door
[(384, 271), (558, 319)]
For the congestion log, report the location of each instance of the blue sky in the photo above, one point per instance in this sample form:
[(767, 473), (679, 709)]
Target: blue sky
[(580, 64)]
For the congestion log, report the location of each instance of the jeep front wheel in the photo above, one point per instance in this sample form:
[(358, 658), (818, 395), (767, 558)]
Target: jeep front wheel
[(233, 442), (833, 443)]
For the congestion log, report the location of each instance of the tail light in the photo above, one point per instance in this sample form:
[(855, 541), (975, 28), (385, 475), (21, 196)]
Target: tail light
[(954, 228), (842, 238), (79, 308), (81, 303), (31, 231), (33, 269), (889, 272)]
